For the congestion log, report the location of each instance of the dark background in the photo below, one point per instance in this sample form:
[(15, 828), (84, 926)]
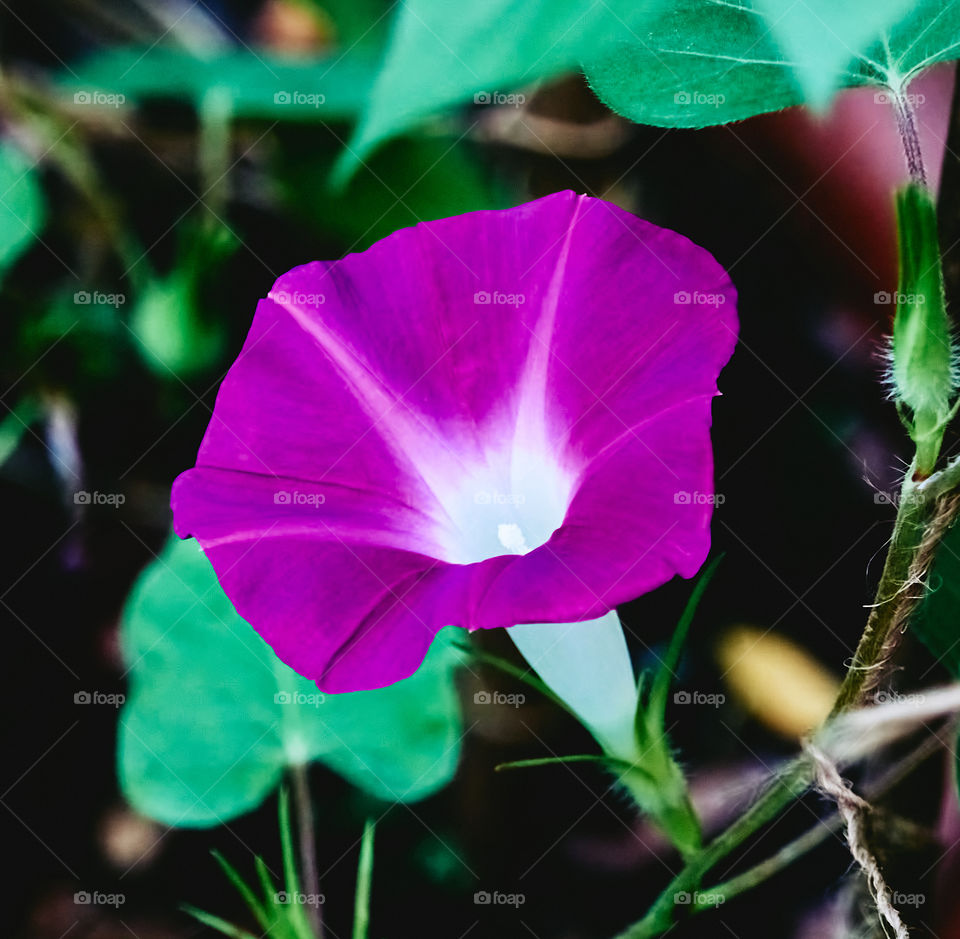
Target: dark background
[(803, 438)]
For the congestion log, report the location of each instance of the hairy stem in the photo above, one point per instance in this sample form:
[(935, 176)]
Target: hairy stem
[(907, 125), (893, 600), (892, 604), (815, 836)]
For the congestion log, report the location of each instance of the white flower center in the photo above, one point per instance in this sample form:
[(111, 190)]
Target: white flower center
[(510, 505)]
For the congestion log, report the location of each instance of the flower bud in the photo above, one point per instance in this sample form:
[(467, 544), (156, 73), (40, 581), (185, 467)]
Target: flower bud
[(923, 371)]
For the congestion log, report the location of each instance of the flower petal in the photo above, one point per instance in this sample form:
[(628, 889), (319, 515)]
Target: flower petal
[(480, 421)]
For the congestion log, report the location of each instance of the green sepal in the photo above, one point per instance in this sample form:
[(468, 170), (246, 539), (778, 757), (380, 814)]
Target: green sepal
[(656, 781), (361, 902), (923, 371)]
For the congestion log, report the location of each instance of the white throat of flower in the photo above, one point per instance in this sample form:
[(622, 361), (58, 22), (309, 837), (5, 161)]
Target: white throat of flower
[(511, 504)]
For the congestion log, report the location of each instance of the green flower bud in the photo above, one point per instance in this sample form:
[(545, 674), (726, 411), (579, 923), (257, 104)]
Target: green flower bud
[(924, 374)]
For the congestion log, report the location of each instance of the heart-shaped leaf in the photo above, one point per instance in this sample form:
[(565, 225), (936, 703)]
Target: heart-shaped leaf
[(214, 717), (704, 63)]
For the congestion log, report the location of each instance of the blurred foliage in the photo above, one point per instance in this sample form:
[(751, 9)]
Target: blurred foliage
[(214, 718), (168, 319), (22, 209), (410, 180), (330, 88), (279, 913)]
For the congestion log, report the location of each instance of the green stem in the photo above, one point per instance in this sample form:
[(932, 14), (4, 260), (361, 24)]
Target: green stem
[(214, 143), (892, 600), (887, 611), (786, 786), (610, 762), (361, 901), (907, 125), (815, 836), (307, 843)]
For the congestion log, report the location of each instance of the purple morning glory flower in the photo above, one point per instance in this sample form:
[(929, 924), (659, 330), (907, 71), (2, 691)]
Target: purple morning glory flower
[(486, 420)]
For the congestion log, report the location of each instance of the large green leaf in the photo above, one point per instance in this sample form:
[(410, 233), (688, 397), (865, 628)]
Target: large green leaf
[(21, 204), (704, 63), (258, 85), (214, 718), (444, 52)]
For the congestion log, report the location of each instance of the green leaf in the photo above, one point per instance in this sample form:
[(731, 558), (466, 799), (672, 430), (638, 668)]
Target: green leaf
[(705, 63), (656, 704), (171, 337), (15, 424), (443, 52), (174, 332), (280, 926), (410, 180), (249, 897), (213, 717), (822, 37), (259, 85), (218, 924), (22, 209), (657, 782), (361, 903)]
